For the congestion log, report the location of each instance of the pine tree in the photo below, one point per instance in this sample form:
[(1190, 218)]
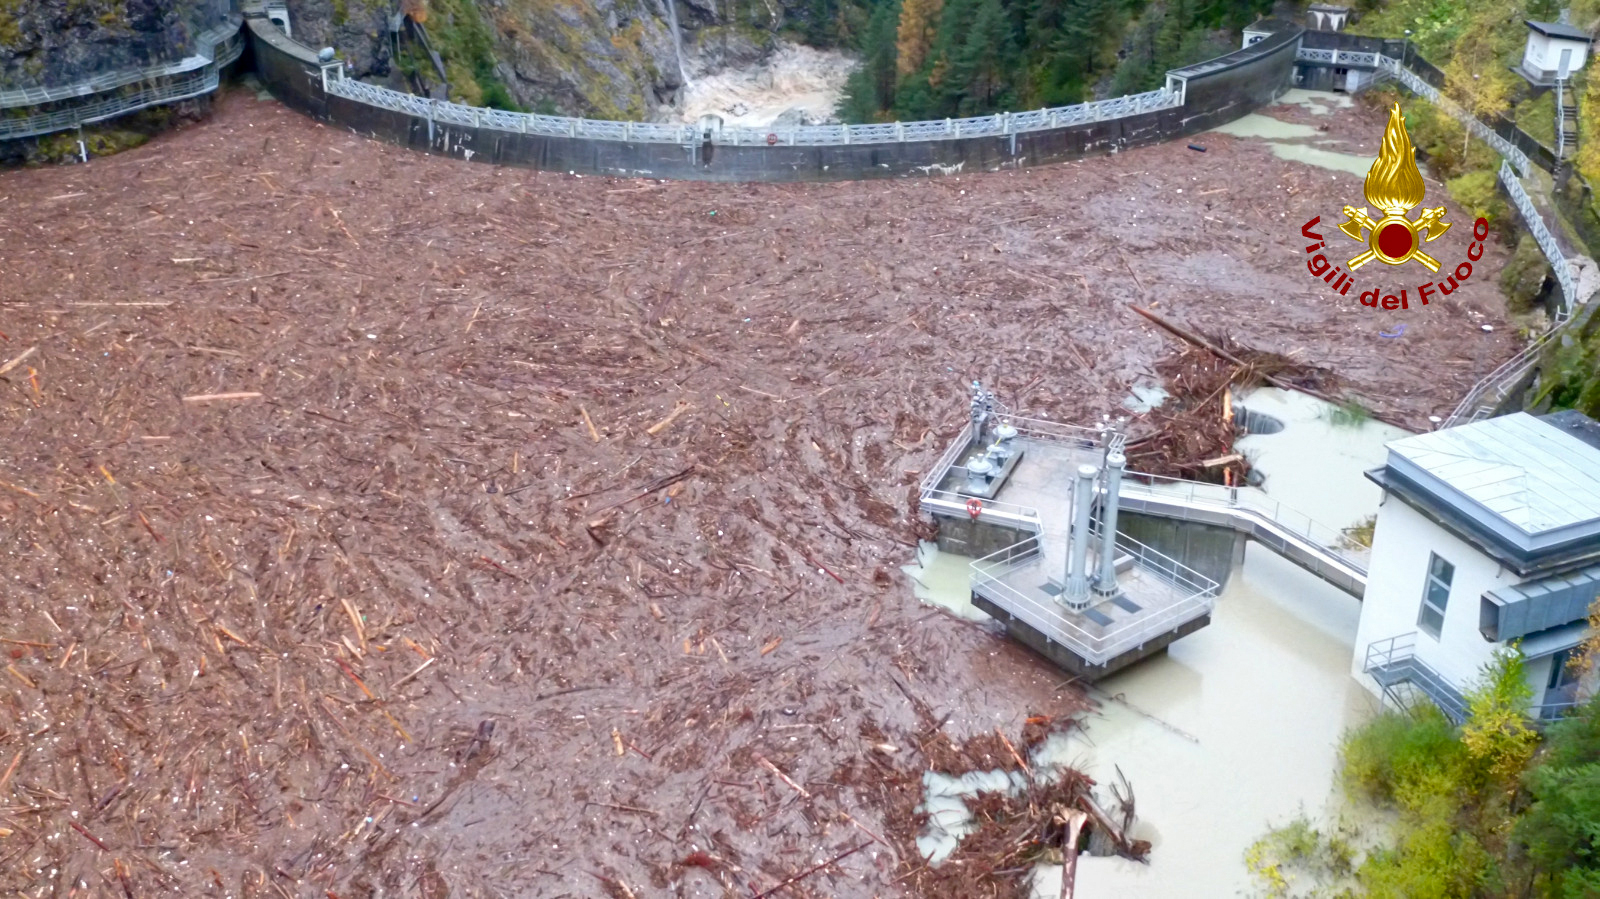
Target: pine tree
[(955, 24), (919, 22), (1175, 23), (981, 68), (870, 90)]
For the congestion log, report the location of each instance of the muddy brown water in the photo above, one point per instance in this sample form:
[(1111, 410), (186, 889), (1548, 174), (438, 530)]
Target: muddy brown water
[(217, 612)]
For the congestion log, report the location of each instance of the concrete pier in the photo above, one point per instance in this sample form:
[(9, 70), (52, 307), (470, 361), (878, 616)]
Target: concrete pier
[(1023, 535)]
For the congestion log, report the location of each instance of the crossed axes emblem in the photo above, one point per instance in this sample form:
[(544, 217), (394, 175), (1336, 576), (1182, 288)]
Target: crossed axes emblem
[(1386, 246)]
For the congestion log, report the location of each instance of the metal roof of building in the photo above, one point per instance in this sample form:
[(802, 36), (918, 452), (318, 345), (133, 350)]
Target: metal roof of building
[(1530, 474), (1559, 30)]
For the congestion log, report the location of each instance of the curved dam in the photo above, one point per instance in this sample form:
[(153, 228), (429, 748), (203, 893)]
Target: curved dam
[(1194, 99)]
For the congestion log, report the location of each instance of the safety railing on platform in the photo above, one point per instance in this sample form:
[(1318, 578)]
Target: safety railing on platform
[(1054, 432), (1052, 619), (999, 125), (1337, 542), (935, 475), (1153, 561), (1393, 661), (1009, 514)]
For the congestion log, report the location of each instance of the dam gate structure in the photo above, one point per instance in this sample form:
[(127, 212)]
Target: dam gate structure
[(1091, 565)]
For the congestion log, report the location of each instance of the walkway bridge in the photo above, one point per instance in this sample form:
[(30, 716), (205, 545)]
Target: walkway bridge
[(1328, 553)]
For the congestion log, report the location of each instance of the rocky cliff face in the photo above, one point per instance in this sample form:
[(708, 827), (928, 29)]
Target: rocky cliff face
[(603, 58), (57, 42)]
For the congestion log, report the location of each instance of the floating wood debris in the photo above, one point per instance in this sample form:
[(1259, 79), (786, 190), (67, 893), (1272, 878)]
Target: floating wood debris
[(220, 397)]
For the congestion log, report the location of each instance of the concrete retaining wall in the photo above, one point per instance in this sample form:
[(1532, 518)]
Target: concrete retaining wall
[(1215, 92), (963, 536), (1209, 549)]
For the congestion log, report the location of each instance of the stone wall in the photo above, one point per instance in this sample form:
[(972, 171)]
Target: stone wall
[(1215, 92)]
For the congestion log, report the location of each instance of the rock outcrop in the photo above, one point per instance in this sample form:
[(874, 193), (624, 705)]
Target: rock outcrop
[(603, 58), (46, 43)]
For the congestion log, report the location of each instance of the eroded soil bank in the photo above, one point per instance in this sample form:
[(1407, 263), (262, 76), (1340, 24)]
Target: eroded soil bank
[(254, 644)]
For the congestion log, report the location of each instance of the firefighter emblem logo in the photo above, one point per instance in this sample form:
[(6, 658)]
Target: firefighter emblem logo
[(1394, 186)]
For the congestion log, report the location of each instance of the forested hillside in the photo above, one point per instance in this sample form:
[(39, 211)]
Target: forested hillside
[(935, 58)]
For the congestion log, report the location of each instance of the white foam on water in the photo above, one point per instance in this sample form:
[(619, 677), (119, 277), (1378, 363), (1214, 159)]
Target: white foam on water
[(793, 77)]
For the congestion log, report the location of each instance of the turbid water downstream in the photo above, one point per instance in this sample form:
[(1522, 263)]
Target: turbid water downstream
[(1235, 730), (802, 81)]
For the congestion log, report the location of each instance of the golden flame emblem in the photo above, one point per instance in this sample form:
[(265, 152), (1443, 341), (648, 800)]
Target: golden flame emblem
[(1394, 185)]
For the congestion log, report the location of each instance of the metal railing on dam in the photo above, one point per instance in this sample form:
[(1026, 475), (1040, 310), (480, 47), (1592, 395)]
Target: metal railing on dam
[(1191, 100), (1000, 124), (1492, 391)]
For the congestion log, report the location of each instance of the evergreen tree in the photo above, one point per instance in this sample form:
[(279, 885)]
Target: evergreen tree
[(919, 21), (870, 90), (977, 82), (1176, 19), (944, 83), (822, 27), (1079, 49), (914, 98)]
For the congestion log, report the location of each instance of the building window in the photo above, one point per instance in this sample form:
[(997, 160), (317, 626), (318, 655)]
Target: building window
[(1435, 595), (1561, 691)]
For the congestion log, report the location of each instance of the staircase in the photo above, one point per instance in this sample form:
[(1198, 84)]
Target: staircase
[(1566, 122), (1393, 663)]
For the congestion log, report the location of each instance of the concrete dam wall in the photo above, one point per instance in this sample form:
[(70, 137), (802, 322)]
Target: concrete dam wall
[(1195, 99)]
